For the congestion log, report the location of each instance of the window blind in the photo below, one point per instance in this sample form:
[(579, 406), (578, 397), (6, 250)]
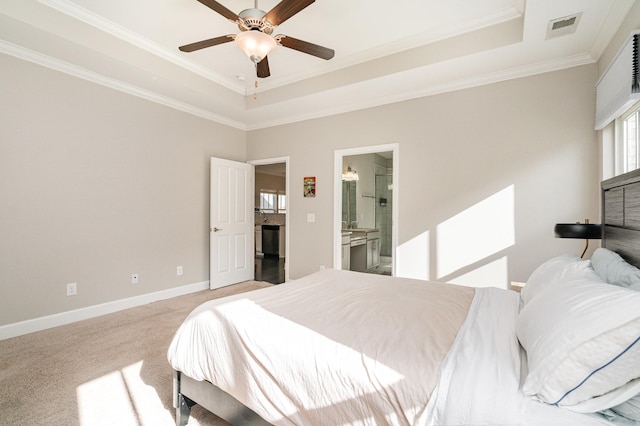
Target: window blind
[(619, 86)]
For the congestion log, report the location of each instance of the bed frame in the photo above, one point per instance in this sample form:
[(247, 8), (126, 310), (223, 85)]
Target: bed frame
[(621, 216), (188, 392), (620, 233)]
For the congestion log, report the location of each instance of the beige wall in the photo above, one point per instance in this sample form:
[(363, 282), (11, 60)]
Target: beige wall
[(534, 135), (96, 185)]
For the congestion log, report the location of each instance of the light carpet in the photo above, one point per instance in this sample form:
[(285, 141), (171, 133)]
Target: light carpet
[(109, 370)]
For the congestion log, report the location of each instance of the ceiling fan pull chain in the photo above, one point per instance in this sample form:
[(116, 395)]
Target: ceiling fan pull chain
[(255, 94)]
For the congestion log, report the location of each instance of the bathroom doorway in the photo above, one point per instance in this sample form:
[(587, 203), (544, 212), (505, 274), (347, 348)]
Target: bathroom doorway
[(368, 175)]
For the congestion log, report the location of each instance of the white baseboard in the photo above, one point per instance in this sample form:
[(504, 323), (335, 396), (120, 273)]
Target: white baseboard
[(55, 320)]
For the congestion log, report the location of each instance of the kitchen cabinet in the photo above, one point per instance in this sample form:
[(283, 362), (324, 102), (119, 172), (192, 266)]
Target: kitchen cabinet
[(258, 240)]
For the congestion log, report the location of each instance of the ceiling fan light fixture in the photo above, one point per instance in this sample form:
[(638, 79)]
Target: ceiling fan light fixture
[(255, 44), (256, 33)]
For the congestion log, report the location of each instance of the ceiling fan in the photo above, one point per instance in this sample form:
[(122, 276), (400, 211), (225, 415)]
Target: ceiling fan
[(255, 37)]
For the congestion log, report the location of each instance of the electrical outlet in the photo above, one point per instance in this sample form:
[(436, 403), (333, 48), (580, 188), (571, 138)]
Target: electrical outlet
[(134, 278), (72, 289), (322, 267), (179, 270)]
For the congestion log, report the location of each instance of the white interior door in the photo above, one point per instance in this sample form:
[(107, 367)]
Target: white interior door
[(231, 222)]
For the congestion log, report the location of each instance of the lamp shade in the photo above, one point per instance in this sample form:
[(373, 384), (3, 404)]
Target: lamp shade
[(584, 231), (255, 44)]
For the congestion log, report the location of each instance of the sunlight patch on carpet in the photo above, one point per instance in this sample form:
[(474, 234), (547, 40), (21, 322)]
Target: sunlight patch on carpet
[(121, 397)]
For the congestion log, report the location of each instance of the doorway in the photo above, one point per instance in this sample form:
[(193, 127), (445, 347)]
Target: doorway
[(373, 214), (271, 220)]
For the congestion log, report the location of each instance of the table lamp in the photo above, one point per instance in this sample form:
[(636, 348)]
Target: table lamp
[(586, 231)]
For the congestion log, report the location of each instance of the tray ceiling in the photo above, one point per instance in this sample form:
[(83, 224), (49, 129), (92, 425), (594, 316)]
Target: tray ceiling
[(383, 54)]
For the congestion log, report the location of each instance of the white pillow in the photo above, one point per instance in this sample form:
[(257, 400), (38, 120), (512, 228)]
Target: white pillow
[(558, 269), (582, 340), (612, 268)]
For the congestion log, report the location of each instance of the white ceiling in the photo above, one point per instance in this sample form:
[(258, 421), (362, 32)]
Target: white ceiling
[(385, 51)]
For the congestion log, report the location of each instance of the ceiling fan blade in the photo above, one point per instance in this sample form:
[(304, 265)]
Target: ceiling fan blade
[(285, 10), (206, 43), (262, 68), (306, 47), (217, 7)]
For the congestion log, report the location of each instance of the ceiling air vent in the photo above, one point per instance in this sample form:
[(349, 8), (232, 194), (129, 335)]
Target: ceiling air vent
[(563, 26)]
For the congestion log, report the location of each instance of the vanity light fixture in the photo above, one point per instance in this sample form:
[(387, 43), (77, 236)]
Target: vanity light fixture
[(587, 231), (350, 175)]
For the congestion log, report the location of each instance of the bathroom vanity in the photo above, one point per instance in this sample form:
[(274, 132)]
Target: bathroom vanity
[(364, 249)]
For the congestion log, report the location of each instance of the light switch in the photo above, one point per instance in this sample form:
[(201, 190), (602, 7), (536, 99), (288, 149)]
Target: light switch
[(311, 217)]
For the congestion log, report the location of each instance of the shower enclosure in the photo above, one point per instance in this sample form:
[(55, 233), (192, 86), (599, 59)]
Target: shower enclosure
[(384, 218)]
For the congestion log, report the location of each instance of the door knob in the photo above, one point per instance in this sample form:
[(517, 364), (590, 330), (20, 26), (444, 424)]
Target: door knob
[(216, 229)]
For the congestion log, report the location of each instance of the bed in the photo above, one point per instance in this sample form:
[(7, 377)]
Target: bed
[(340, 347)]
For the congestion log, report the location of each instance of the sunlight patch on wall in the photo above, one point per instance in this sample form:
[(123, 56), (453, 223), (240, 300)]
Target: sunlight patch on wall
[(413, 258), (494, 274), (123, 398), (476, 233)]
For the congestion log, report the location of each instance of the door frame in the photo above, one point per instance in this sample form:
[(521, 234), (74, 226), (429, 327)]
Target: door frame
[(287, 245), (337, 198)]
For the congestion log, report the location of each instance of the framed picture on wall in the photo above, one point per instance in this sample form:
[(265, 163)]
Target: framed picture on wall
[(309, 186)]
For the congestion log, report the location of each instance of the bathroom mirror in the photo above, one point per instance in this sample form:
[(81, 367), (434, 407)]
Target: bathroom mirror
[(348, 203)]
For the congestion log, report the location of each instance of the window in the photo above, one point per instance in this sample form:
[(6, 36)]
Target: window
[(272, 201), (282, 203), (629, 140), (267, 201)]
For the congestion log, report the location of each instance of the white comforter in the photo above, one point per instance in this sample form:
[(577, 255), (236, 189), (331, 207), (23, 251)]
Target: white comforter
[(367, 350), (481, 380)]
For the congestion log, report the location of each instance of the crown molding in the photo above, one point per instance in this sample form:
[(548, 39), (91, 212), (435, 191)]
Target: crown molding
[(85, 74), (360, 104), (412, 42), (610, 26), (81, 14), (467, 83)]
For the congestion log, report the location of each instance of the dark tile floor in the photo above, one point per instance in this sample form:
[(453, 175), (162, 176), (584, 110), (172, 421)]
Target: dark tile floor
[(269, 268)]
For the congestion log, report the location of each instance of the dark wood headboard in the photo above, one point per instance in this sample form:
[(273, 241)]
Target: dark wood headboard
[(621, 216)]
